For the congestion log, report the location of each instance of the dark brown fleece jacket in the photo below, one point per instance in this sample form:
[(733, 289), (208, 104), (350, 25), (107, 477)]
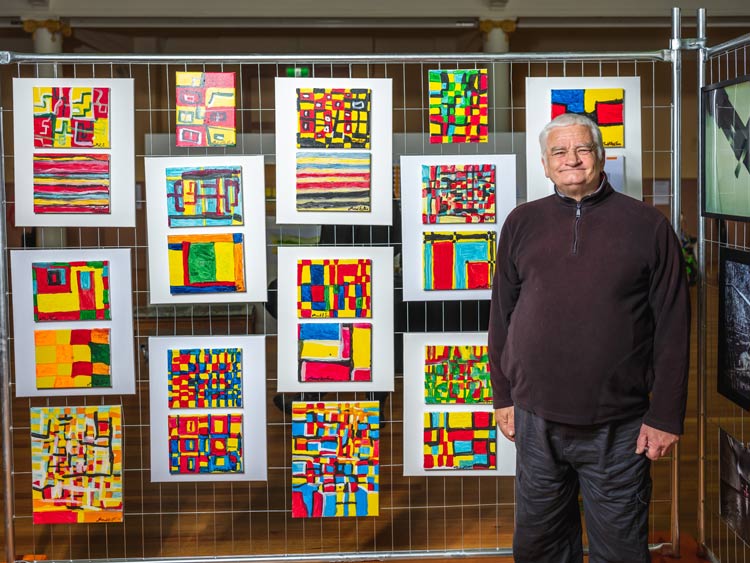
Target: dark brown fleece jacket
[(590, 312)]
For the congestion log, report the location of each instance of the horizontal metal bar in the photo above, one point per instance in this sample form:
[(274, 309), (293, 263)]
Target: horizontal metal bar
[(309, 557), (10, 57), (736, 43)]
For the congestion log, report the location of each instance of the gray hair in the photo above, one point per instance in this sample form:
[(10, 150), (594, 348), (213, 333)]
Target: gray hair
[(566, 120)]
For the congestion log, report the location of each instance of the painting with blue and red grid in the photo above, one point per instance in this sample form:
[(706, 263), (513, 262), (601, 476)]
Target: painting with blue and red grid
[(205, 443)]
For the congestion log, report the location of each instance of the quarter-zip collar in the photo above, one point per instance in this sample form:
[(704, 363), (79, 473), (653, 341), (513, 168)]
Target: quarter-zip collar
[(601, 193)]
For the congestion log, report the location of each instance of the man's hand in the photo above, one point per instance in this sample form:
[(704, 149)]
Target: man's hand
[(655, 443), (505, 420)]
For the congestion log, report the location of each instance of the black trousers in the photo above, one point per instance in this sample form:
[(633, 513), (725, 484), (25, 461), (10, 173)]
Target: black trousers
[(553, 463)]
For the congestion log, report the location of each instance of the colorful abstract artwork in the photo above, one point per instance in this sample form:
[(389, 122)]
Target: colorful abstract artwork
[(335, 459), (334, 288), (205, 109), (206, 263), (73, 358), (333, 181), (457, 375), (205, 443), (71, 183), (76, 464), (71, 291), (333, 118), (335, 351), (458, 193), (458, 260), (458, 106), (460, 440), (67, 118), (603, 105), (204, 378), (204, 196)]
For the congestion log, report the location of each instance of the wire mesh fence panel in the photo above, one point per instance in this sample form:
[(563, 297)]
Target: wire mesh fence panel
[(725, 510), (430, 515)]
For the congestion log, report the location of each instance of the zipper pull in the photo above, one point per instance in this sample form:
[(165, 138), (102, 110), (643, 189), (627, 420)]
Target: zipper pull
[(578, 211)]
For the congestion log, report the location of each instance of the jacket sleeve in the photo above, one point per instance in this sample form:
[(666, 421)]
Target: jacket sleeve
[(506, 287), (669, 298)]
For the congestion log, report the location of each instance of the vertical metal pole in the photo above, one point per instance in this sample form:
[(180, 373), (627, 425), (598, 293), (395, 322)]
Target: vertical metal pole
[(5, 409), (701, 325), (675, 47)]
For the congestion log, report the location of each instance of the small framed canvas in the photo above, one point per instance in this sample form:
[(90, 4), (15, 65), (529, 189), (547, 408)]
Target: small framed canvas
[(733, 373), (725, 160)]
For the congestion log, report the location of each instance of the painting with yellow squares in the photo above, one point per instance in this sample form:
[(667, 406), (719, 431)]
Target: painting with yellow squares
[(208, 420), (204, 377), (449, 422), (334, 288), (460, 440), (73, 358), (458, 106), (333, 118)]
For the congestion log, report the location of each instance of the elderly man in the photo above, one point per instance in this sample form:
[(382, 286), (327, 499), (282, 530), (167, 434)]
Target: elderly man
[(588, 341)]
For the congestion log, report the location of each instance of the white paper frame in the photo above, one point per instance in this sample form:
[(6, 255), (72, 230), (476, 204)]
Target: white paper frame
[(381, 320), (121, 153), (121, 324), (381, 162), (253, 229), (415, 407), (253, 410), (538, 114), (412, 226)]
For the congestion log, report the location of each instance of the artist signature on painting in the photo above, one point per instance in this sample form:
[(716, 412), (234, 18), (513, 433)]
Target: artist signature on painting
[(359, 208)]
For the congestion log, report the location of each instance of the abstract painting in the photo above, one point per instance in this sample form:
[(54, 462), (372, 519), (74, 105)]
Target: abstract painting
[(333, 118), (206, 229), (614, 102), (604, 106), (335, 459), (71, 183), (466, 198), (207, 408), (448, 423), (74, 152), (338, 134), (458, 106), (72, 358), (458, 259), (726, 156), (210, 443), (333, 181), (76, 117), (206, 263), (457, 375), (458, 193), (460, 440), (734, 484), (76, 464), (335, 319), (203, 196), (71, 291), (205, 109), (204, 378), (334, 288), (335, 351), (733, 374), (69, 307)]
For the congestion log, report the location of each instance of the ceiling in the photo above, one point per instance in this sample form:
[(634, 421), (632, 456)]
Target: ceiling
[(104, 13)]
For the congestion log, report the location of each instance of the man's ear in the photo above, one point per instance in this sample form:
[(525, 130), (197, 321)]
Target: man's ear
[(546, 170)]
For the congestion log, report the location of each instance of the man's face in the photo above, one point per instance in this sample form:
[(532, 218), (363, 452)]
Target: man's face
[(571, 161)]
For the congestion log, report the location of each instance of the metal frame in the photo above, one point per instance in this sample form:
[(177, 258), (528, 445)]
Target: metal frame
[(705, 56), (671, 55)]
